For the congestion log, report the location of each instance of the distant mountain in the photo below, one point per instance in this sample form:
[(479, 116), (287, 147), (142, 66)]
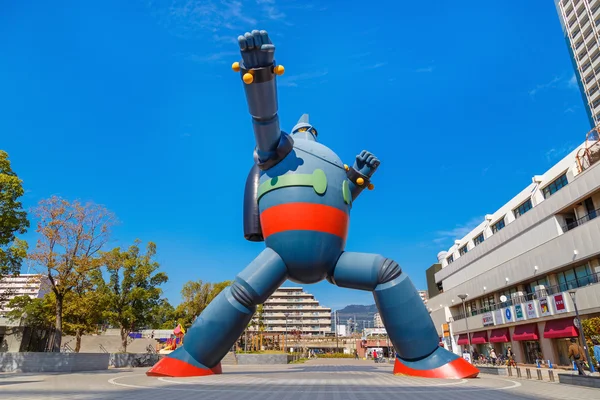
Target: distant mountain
[(360, 312)]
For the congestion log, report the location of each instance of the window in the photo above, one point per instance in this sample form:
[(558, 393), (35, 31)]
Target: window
[(463, 250), (477, 240), (555, 186), (488, 303), (450, 259), (575, 278), (498, 225), (523, 208)]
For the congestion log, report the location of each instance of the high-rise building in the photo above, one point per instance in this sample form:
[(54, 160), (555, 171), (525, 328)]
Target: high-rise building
[(32, 285), (580, 20), (377, 322), (292, 309), (513, 279)]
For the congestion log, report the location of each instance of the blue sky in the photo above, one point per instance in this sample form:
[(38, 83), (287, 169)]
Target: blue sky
[(133, 105)]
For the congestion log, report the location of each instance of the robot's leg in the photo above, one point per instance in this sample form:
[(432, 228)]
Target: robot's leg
[(222, 322), (404, 315)]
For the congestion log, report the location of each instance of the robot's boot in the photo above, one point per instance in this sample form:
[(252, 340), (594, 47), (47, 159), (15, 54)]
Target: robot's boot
[(404, 316), (218, 327)]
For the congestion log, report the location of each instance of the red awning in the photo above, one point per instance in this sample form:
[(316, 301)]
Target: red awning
[(500, 335), (462, 339), (526, 332), (560, 328), (479, 337)]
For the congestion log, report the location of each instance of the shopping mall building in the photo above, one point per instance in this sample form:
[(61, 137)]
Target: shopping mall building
[(519, 265)]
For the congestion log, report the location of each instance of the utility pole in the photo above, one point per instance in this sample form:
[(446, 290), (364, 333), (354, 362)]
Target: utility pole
[(337, 342)]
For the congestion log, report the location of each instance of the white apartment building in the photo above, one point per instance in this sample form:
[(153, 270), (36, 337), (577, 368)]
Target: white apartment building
[(377, 322), (580, 20), (519, 264), (292, 309), (32, 285)]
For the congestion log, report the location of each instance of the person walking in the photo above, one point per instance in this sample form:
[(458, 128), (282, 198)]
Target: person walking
[(355, 355), (493, 356), (510, 357), (577, 354)]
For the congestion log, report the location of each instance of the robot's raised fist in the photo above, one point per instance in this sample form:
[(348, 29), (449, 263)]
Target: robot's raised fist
[(367, 163), (257, 49)]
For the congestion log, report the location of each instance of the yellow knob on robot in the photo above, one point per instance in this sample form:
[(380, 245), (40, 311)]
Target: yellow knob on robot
[(371, 186), (346, 167), (360, 181), (279, 70), (248, 78), (235, 66)]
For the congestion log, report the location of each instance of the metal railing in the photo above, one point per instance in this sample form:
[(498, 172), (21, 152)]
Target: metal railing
[(580, 221), (587, 280)]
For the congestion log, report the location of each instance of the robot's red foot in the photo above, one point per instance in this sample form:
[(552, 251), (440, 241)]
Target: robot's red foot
[(457, 368), (173, 367)]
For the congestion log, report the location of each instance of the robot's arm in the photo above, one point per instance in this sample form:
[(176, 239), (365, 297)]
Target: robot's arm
[(361, 172), (252, 228), (258, 72)]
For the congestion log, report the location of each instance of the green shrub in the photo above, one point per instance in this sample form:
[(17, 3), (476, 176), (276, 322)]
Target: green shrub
[(335, 355)]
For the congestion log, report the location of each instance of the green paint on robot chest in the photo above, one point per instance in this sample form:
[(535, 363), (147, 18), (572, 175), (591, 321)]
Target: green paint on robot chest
[(317, 180)]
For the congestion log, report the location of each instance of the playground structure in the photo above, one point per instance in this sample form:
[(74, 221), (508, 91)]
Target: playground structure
[(298, 198), (174, 342)]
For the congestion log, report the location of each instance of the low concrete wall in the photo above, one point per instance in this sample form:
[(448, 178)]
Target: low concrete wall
[(52, 362), (261, 359), (589, 381), (493, 370), (123, 360)]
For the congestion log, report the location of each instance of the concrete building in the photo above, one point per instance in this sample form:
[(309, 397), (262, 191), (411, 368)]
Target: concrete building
[(377, 322), (580, 20), (423, 295), (519, 264), (292, 308), (32, 285)]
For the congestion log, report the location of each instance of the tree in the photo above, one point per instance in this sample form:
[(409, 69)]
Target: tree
[(84, 306), (133, 292), (71, 236), (37, 313), (165, 316), (196, 295), (13, 219)]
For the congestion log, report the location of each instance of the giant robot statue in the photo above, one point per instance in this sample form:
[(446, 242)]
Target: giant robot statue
[(298, 200)]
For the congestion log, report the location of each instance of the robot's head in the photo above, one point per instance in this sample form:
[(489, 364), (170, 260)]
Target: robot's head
[(304, 130)]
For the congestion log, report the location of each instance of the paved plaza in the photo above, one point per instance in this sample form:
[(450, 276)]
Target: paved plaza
[(314, 380)]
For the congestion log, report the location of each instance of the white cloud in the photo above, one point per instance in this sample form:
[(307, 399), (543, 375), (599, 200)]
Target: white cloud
[(458, 232), (425, 69), (559, 152), (218, 57), (292, 81), (544, 86), (377, 65), (573, 82), (186, 18)]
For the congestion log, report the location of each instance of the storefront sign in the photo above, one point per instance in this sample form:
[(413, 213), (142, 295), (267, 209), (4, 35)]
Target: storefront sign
[(488, 319), (508, 315), (519, 312), (530, 310), (499, 317), (544, 307), (559, 303)]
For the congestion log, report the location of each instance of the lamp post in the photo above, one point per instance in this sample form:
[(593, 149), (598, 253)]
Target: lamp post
[(581, 334), (285, 336), (463, 297)]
